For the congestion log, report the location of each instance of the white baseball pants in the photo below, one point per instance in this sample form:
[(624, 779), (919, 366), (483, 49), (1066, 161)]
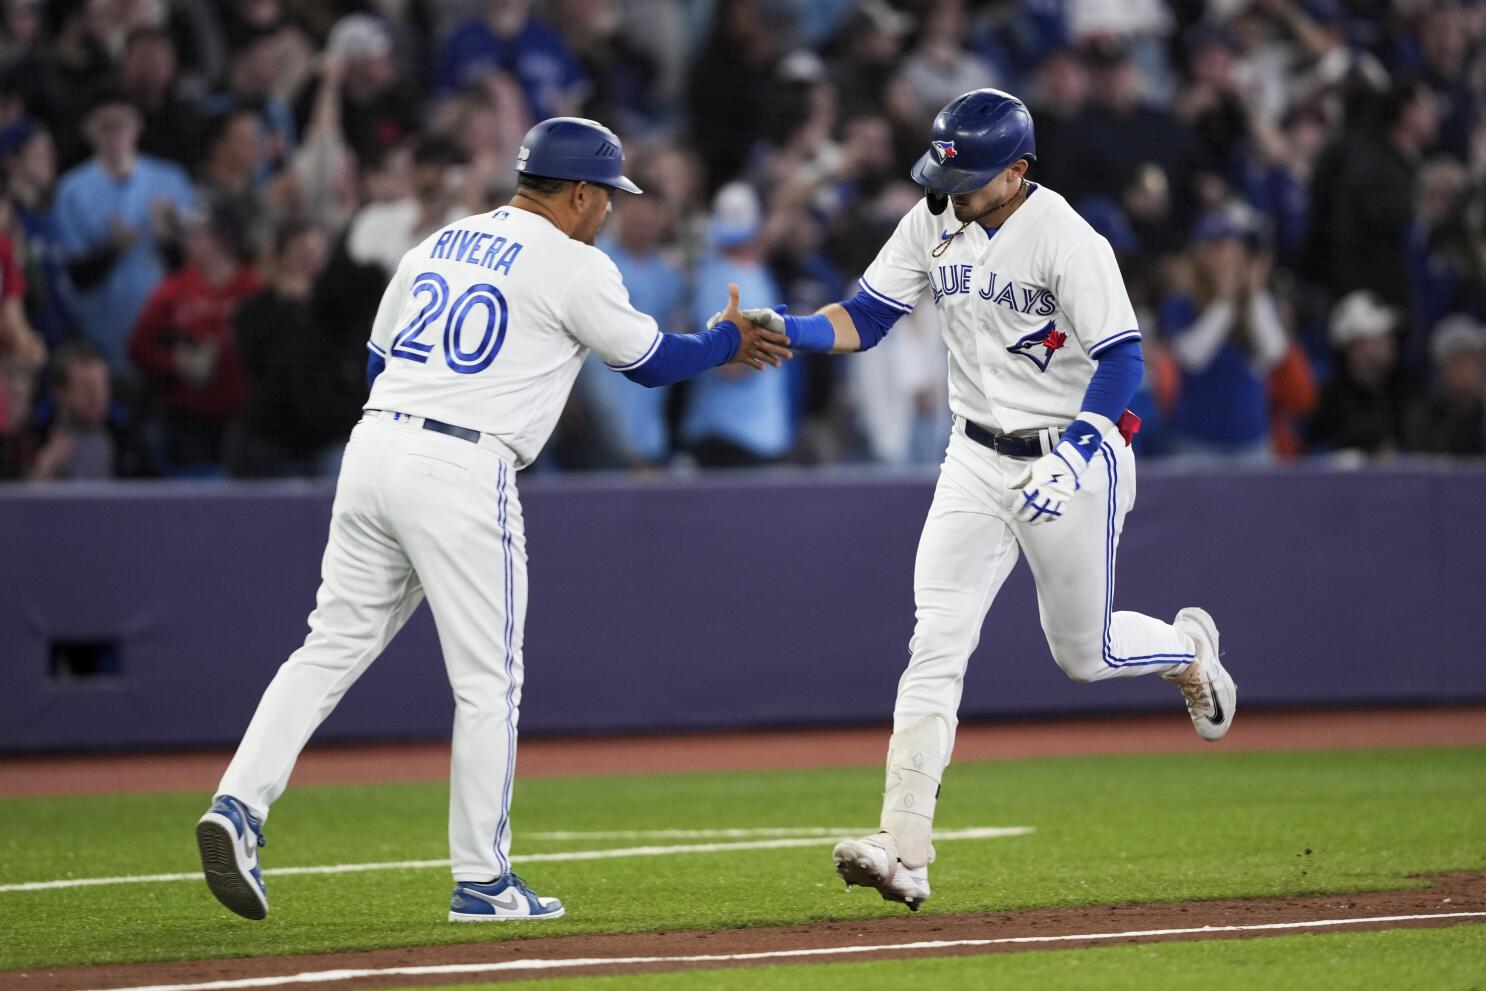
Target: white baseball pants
[(970, 544), (416, 512)]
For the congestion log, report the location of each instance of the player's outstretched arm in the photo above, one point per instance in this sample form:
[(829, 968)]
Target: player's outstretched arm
[(836, 328), (730, 338)]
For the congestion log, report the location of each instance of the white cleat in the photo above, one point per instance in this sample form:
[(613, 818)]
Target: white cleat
[(864, 862), (1211, 694)]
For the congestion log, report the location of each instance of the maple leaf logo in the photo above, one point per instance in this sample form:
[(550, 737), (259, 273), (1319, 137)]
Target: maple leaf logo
[(1039, 346)]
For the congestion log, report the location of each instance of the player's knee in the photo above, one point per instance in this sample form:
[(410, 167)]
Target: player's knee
[(944, 633), (1081, 660)]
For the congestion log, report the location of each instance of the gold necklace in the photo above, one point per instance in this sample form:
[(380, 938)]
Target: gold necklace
[(945, 242)]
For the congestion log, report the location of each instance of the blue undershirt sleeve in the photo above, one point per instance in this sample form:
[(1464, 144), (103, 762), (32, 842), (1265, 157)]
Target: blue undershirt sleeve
[(1115, 380), (375, 363), (680, 356), (873, 318)]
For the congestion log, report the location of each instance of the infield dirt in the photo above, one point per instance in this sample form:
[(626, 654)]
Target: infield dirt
[(1452, 893)]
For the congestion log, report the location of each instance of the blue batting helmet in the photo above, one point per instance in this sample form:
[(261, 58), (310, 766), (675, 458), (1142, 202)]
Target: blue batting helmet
[(577, 149), (975, 136)]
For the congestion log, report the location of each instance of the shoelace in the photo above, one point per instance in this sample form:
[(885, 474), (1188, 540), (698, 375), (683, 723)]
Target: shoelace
[(1194, 690), (519, 883)]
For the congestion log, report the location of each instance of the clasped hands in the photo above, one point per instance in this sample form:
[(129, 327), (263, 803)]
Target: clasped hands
[(762, 332)]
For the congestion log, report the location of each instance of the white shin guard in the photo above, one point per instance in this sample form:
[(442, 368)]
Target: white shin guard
[(916, 757)]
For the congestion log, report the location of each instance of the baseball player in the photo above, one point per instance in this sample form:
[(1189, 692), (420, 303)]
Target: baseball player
[(1044, 355), (474, 349)]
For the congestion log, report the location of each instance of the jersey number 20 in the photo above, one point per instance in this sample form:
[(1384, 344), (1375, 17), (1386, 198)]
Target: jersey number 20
[(484, 296)]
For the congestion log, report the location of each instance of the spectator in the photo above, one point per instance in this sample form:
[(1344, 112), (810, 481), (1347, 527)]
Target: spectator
[(22, 33), (1361, 409), (901, 395), (288, 429), (1277, 179), (55, 80), (486, 127), (1120, 130), (229, 182), (1060, 94), (378, 108), (29, 163), (736, 418), (797, 154), (1453, 420), (940, 67), (508, 39), (17, 441), (730, 79), (172, 124), (870, 46), (405, 209), (1139, 28), (1438, 254), (116, 214), (1372, 197), (183, 344), (1212, 106), (82, 433), (636, 416), (1444, 36), (624, 75), (266, 67), (18, 341), (1227, 335), (1148, 204)]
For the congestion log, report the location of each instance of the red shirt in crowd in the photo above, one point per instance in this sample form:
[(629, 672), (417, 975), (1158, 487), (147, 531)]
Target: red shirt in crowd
[(185, 310), (12, 286), (12, 279)]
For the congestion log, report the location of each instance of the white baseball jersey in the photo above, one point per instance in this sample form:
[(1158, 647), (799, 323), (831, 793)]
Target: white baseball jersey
[(487, 322), (1025, 309)]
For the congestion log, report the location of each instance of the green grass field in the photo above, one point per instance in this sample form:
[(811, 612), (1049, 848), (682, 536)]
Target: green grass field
[(1341, 962), (1106, 830)]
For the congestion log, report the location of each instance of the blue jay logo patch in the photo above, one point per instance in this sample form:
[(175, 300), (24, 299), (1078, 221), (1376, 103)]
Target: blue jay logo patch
[(943, 150), (1039, 346)]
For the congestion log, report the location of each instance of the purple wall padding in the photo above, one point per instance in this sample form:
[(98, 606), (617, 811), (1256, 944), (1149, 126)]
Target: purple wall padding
[(729, 601)]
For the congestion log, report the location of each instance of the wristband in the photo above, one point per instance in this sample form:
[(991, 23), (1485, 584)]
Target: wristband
[(812, 334), (1083, 437)]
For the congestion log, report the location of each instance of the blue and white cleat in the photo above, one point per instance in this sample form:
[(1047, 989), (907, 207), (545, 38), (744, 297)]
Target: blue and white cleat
[(229, 837), (507, 897)]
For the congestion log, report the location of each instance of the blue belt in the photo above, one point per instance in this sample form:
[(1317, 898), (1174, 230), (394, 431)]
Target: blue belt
[(439, 427), (1012, 447)]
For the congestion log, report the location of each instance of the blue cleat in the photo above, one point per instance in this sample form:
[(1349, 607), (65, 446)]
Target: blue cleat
[(507, 897), (229, 837)]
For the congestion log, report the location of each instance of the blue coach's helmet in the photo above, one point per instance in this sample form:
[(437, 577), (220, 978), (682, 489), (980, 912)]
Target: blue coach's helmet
[(574, 148), (975, 136)]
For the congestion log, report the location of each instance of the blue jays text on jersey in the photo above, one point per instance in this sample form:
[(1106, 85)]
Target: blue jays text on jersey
[(951, 280)]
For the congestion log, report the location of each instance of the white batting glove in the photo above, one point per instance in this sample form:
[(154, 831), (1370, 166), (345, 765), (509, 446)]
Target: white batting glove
[(1048, 485), (763, 317)]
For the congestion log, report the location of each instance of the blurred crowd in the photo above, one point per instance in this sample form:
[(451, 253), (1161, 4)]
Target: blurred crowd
[(203, 200)]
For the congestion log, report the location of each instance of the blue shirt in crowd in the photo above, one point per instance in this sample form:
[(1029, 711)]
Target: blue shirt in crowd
[(535, 56), (1225, 404), (657, 288), (51, 312), (751, 410), (89, 201)]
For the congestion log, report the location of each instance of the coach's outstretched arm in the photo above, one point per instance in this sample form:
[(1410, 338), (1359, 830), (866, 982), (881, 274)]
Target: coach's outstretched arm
[(732, 339)]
